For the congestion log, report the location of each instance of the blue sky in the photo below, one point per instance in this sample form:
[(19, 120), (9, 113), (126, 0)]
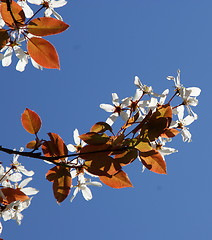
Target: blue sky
[(107, 45)]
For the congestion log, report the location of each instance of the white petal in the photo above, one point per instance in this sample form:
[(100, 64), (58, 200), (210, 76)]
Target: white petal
[(36, 2), (97, 184), (21, 65), (178, 77), (186, 135), (58, 3), (112, 118), (195, 91), (15, 177), (188, 120), (125, 102), (29, 191), (180, 110), (73, 173), (138, 94), (137, 82), (86, 192), (6, 61), (1, 56), (76, 137), (125, 115), (48, 12), (57, 15), (27, 10), (74, 194), (107, 107), (26, 172), (71, 148), (167, 150), (115, 99), (24, 182)]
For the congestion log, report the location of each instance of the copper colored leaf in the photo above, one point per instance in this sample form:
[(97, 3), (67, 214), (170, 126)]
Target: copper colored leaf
[(43, 53), (101, 127), (127, 157), (61, 178), (170, 133), (4, 38), (159, 121), (151, 158), (101, 164), (94, 138), (131, 121), (12, 195), (45, 26), (17, 12), (31, 121), (119, 180), (31, 145), (55, 147)]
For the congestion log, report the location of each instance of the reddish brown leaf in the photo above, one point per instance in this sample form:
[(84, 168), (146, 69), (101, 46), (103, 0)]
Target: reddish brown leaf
[(119, 180), (94, 138), (31, 121), (127, 157), (4, 38), (61, 178), (43, 53), (151, 158), (45, 26), (12, 195), (54, 148), (170, 133), (17, 12), (31, 145), (101, 164), (101, 127)]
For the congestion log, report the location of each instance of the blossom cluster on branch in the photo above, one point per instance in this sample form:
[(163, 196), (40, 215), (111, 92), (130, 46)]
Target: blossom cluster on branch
[(20, 30), (150, 123)]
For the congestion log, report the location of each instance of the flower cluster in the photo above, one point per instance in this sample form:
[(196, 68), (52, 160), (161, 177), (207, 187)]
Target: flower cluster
[(150, 122), (14, 193), (30, 32)]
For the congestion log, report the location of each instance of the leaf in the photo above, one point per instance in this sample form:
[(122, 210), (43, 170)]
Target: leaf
[(126, 157), (12, 195), (151, 158), (4, 38), (55, 147), (45, 26), (101, 164), (159, 121), (31, 145), (131, 121), (61, 178), (119, 180), (101, 127), (169, 133), (31, 121), (94, 138), (17, 12), (43, 53)]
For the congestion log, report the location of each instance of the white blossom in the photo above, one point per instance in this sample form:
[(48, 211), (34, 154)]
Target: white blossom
[(27, 10), (82, 186), (117, 109)]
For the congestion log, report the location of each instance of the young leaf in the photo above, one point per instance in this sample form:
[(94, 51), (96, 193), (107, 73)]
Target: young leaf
[(31, 121), (4, 38), (45, 26), (94, 138), (43, 53), (61, 178), (31, 145), (119, 180), (151, 158), (101, 127), (54, 148), (17, 11), (12, 195)]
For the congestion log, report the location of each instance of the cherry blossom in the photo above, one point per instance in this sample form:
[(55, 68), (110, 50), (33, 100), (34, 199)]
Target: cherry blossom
[(27, 10), (79, 143)]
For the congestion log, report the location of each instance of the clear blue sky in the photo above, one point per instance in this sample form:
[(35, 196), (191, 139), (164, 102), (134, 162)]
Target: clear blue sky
[(107, 44)]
